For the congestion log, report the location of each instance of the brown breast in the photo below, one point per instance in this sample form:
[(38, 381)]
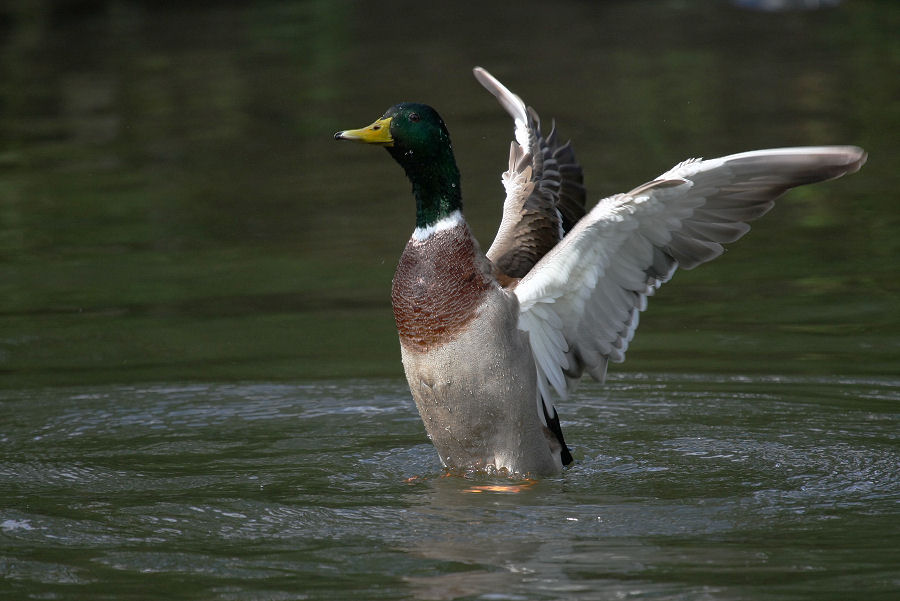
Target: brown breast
[(438, 287)]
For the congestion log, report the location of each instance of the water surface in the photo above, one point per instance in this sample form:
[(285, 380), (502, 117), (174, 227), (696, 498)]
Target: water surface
[(685, 487)]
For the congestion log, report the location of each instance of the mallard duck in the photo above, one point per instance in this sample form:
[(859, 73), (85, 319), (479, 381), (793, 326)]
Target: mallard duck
[(489, 340)]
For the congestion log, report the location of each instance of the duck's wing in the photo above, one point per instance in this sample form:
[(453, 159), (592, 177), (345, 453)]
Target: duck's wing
[(544, 191), (580, 303)]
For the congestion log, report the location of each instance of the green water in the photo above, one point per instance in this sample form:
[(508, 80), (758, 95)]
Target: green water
[(200, 388), (684, 488)]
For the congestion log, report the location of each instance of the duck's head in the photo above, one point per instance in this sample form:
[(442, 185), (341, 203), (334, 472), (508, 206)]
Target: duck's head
[(415, 135), (405, 129)]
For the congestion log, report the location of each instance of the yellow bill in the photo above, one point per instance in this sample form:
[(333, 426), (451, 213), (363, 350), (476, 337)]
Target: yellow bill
[(377, 133)]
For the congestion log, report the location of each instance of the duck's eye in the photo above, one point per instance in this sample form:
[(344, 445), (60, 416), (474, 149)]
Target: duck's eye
[(414, 117)]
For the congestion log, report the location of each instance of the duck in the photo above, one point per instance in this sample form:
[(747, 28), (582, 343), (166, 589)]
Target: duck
[(490, 340)]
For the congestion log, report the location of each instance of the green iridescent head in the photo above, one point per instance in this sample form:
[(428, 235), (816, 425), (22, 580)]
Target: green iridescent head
[(415, 135)]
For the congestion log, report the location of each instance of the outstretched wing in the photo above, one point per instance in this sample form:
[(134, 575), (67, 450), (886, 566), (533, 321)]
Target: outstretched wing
[(580, 303), (544, 191)]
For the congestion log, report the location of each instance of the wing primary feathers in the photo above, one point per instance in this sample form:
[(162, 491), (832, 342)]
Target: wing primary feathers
[(600, 275)]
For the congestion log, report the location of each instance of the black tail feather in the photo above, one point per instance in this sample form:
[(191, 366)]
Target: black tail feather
[(553, 423)]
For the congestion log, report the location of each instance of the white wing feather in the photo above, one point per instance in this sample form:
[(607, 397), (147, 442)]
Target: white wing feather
[(511, 103), (580, 302)]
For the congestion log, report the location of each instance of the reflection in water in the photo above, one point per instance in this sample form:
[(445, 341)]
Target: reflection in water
[(490, 538), (172, 207)]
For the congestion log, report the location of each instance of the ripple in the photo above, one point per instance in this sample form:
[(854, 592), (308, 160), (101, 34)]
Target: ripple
[(252, 481)]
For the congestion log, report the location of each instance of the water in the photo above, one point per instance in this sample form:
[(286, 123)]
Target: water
[(685, 487), (200, 388)]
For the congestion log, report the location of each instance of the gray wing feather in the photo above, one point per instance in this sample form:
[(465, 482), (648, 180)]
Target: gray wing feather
[(544, 188)]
